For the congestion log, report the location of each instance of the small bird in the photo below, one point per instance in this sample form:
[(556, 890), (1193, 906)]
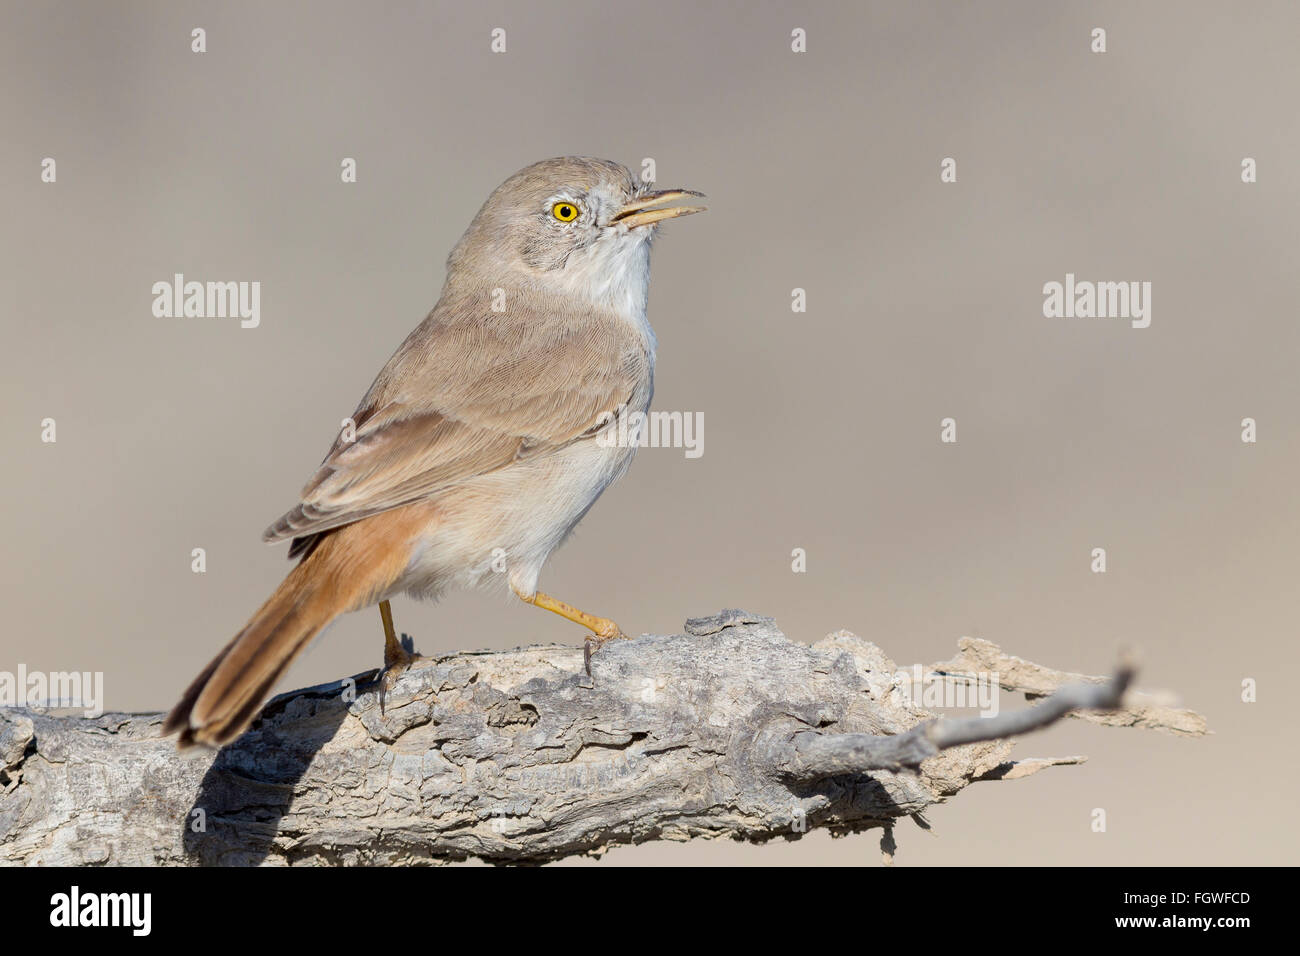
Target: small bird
[(479, 446)]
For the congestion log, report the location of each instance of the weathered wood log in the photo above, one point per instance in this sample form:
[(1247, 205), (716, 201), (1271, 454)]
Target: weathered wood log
[(727, 730)]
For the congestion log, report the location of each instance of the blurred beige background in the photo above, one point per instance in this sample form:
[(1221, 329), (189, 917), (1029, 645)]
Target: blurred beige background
[(822, 429)]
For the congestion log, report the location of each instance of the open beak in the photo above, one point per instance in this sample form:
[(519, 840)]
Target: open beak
[(651, 208)]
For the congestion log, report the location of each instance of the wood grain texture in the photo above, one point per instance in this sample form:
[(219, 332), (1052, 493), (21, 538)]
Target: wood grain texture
[(729, 729)]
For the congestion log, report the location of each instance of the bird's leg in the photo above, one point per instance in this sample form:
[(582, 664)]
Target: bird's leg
[(602, 627), (396, 657), (394, 653)]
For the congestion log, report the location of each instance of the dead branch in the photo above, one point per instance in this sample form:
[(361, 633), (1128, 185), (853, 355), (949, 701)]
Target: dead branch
[(727, 730)]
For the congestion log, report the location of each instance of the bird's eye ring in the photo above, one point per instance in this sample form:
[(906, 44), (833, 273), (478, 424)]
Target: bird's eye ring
[(564, 211)]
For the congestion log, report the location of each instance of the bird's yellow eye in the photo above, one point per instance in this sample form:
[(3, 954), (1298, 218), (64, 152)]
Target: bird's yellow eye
[(564, 211)]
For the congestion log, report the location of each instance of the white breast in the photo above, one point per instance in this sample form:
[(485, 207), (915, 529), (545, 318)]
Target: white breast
[(501, 527), (614, 274)]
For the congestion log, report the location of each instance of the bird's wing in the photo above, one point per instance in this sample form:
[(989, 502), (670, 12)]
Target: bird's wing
[(460, 399)]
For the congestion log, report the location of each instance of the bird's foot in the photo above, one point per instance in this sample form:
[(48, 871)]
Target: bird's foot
[(609, 632), (398, 656)]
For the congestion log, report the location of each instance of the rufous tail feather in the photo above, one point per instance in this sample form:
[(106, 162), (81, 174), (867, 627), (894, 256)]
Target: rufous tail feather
[(225, 698)]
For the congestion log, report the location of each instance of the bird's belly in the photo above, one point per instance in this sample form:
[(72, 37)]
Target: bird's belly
[(499, 528)]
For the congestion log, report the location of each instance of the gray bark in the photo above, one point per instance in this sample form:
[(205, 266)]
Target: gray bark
[(727, 730)]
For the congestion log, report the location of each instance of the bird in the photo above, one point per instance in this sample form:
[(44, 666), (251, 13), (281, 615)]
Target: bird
[(482, 442)]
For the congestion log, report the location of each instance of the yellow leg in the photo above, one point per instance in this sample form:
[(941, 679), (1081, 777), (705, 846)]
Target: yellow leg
[(602, 627), (393, 650), (396, 657)]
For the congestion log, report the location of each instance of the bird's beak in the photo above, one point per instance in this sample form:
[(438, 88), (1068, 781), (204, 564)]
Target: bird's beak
[(650, 208)]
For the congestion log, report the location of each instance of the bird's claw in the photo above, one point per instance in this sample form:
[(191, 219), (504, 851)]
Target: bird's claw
[(597, 641), (398, 656)]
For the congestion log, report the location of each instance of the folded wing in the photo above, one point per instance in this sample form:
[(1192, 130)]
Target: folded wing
[(461, 399)]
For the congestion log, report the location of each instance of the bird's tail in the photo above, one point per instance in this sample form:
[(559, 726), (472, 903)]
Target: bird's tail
[(223, 700)]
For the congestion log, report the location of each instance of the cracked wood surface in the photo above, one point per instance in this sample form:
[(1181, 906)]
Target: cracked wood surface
[(727, 730)]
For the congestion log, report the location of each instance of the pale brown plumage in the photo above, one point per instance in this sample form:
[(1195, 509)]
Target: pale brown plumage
[(479, 435), (462, 397)]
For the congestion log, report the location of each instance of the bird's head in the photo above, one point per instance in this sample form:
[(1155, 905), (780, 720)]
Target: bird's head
[(574, 223)]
